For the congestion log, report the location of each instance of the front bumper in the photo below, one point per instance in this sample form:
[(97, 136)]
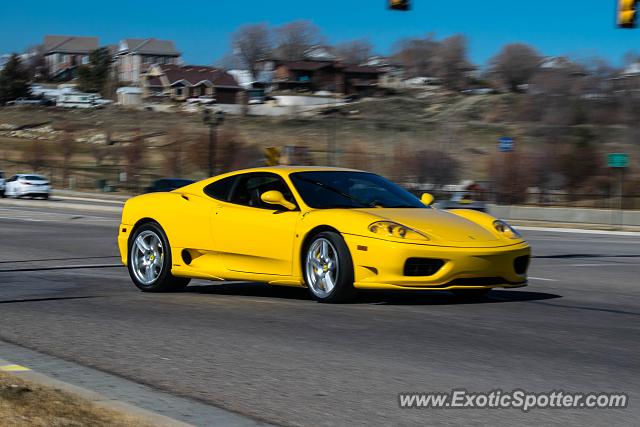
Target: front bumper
[(379, 264)]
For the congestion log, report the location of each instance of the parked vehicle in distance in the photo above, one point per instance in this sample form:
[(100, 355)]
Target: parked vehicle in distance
[(80, 100), (462, 200), (27, 185), (2, 184), (28, 101), (204, 100), (167, 184)]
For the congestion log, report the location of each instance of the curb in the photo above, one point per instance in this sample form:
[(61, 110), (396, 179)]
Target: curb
[(95, 398)]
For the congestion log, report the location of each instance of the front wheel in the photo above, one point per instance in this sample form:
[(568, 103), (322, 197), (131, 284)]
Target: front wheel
[(149, 261), (328, 268)]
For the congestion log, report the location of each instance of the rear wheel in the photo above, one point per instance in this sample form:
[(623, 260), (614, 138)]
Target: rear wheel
[(149, 261), (328, 268)]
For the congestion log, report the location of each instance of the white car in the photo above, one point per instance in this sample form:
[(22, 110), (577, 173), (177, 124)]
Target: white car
[(1, 184), (27, 185)]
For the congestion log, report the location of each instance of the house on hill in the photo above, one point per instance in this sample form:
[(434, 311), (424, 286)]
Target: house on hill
[(179, 83)]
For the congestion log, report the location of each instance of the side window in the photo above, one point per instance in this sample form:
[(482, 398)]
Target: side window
[(250, 187), (220, 190)]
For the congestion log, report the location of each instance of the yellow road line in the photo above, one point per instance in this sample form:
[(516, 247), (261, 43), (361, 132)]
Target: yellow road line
[(13, 368)]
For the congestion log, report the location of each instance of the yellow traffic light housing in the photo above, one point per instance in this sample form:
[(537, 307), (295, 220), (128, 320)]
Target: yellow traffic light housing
[(626, 17), (272, 155), (402, 5)]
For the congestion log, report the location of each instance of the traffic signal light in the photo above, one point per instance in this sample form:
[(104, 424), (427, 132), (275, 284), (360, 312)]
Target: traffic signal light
[(399, 5), (272, 155), (627, 13)]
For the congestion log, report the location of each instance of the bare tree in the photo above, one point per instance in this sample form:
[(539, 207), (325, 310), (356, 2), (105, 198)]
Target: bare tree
[(416, 55), (252, 43), (35, 63), (451, 63), (354, 51), (134, 157), (515, 65), (173, 153), (68, 147), (35, 154), (295, 38)]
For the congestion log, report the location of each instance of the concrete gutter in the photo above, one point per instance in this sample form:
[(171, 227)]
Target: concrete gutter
[(602, 217)]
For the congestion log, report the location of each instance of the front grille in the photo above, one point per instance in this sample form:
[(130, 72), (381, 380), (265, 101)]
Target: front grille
[(521, 264), (422, 266)]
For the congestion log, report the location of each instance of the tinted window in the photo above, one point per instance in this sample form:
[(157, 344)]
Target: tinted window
[(329, 189), (34, 178), (249, 188), (220, 189)]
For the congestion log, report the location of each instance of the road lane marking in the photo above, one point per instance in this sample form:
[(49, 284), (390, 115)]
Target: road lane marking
[(543, 279), (63, 267), (13, 368), (594, 265)]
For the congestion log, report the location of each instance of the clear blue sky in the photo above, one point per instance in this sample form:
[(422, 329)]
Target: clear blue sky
[(201, 29)]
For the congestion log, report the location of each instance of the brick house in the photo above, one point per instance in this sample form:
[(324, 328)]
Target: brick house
[(63, 54), (135, 56), (181, 82), (323, 75)]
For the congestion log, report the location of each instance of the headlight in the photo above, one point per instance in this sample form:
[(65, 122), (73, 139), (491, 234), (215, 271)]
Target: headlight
[(393, 229), (504, 228)]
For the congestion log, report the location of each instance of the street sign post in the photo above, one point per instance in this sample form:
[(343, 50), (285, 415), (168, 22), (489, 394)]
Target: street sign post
[(506, 144), (619, 162)]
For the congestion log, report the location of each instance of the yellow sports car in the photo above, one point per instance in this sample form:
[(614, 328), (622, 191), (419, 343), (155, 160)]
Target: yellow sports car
[(330, 230)]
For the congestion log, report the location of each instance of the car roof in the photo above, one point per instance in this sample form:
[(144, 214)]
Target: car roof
[(291, 169)]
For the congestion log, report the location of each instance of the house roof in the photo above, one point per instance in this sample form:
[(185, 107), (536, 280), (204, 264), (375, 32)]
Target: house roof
[(306, 65), (197, 74), (70, 44), (363, 69), (149, 47)]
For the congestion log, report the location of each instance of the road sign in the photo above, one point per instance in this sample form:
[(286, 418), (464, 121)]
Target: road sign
[(505, 144), (618, 160)]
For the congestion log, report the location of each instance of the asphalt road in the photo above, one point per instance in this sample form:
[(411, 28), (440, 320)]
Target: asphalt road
[(274, 355)]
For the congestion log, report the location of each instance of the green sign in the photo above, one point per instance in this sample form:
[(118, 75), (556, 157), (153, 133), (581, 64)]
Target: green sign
[(618, 160)]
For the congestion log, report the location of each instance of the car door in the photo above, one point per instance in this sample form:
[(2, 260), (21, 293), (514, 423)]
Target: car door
[(254, 236), (10, 186)]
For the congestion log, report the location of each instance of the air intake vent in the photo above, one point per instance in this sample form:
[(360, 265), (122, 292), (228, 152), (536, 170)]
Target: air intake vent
[(422, 266), (521, 264)]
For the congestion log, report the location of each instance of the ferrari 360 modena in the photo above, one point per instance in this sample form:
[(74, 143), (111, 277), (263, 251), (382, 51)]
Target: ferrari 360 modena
[(333, 231)]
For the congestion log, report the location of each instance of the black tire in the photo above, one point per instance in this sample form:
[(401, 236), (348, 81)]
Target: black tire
[(471, 294), (343, 289), (45, 197), (2, 195), (165, 281)]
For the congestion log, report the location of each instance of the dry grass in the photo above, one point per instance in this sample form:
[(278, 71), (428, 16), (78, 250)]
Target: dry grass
[(25, 404)]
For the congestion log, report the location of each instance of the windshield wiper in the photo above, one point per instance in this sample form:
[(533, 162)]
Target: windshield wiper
[(335, 190)]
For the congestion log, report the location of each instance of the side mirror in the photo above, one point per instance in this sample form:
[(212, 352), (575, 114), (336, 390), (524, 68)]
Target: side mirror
[(276, 198), (427, 199)]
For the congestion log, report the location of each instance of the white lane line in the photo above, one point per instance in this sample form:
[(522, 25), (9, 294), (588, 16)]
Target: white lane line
[(580, 231), (543, 279), (593, 265), (22, 219)]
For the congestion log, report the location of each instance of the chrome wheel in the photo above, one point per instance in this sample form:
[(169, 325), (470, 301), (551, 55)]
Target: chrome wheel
[(147, 257), (321, 267)]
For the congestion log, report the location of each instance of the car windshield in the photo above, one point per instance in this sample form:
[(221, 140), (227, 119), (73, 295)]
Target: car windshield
[(338, 189)]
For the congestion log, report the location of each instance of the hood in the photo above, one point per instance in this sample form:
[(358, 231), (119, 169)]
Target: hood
[(443, 228)]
